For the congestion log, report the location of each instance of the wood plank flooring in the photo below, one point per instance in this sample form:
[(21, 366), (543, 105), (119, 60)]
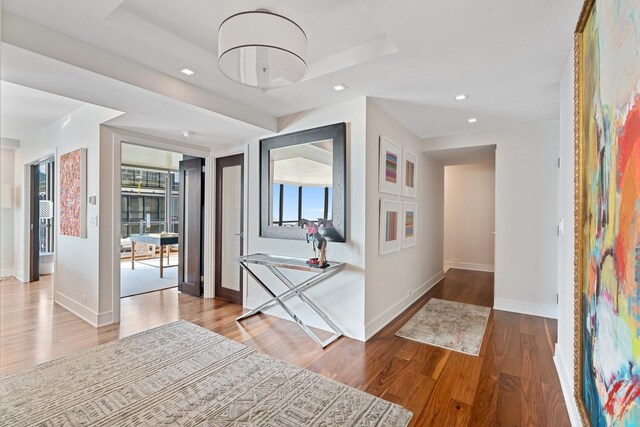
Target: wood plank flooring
[(513, 382)]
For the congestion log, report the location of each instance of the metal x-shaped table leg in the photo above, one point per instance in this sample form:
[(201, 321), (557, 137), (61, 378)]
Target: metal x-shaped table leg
[(297, 291)]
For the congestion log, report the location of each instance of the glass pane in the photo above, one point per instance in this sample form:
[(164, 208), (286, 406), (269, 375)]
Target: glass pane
[(313, 203), (231, 226), (152, 208), (124, 208), (135, 208), (175, 212), (290, 206), (161, 206), (276, 204)]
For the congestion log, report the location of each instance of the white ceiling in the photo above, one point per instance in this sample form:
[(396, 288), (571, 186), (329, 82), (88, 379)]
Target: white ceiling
[(24, 111), (412, 56), (146, 112)]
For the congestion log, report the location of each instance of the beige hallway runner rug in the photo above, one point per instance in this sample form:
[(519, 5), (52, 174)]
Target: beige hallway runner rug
[(184, 375), (448, 324)]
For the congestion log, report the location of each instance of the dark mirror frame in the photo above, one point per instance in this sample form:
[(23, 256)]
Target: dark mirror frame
[(336, 132)]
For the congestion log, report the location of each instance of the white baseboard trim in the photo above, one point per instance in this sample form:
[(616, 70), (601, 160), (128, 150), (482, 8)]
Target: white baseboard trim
[(6, 272), (105, 319), (384, 318), (469, 266), (17, 273), (567, 387), (85, 313), (522, 307)]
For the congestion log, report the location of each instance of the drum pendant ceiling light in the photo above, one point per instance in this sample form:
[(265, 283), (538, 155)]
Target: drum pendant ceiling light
[(262, 49)]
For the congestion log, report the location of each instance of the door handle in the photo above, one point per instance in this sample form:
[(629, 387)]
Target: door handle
[(239, 234)]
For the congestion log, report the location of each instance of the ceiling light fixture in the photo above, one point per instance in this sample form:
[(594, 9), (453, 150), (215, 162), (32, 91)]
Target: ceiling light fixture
[(461, 97), (472, 120), (262, 49), (187, 71), (340, 87), (188, 134)]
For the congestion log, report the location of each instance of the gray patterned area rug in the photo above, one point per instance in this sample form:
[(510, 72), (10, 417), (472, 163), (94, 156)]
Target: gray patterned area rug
[(448, 324), (184, 375)]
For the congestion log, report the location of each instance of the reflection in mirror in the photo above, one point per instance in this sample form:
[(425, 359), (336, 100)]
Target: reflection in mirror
[(302, 178), (302, 184)]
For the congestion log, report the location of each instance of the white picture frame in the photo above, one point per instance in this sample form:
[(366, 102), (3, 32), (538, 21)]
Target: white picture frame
[(409, 224), (390, 239), (410, 173), (390, 167)]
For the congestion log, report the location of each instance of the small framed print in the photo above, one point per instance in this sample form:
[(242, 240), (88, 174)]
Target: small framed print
[(390, 226), (390, 169), (410, 174), (409, 216)]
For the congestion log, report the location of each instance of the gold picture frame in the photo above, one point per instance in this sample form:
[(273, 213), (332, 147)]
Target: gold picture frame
[(584, 195), (578, 211)]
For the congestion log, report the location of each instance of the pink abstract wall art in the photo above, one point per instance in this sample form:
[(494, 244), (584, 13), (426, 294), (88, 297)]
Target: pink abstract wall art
[(73, 210)]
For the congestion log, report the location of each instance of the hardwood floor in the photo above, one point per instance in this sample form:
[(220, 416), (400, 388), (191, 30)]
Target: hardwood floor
[(512, 383)]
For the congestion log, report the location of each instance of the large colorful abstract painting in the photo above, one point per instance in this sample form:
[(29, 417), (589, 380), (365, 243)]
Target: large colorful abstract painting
[(73, 198), (607, 83)]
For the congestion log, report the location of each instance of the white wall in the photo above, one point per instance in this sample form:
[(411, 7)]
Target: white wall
[(373, 289), (527, 213), (76, 259), (7, 159), (469, 216), (564, 347), (341, 296), (394, 281)]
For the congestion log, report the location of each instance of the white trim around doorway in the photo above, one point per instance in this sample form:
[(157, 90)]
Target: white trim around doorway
[(111, 153)]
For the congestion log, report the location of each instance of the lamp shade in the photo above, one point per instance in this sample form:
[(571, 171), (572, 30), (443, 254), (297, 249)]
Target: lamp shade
[(262, 49)]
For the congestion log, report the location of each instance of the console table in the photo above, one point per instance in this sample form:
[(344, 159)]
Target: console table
[(275, 264), (158, 239)]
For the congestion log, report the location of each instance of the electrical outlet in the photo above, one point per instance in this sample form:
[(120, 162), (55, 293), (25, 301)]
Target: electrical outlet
[(84, 299)]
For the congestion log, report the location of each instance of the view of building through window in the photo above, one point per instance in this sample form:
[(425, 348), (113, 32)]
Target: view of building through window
[(45, 194), (144, 195)]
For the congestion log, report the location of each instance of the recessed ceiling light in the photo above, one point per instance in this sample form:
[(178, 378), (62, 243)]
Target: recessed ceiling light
[(472, 120), (461, 97), (188, 134), (187, 71), (340, 87)]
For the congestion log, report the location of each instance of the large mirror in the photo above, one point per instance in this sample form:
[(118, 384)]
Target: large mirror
[(302, 180)]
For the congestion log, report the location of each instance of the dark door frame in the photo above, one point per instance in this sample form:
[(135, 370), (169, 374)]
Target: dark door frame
[(221, 162), (34, 223), (196, 216)]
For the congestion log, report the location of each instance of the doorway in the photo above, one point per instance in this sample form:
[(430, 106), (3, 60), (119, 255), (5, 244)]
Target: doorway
[(160, 245), (469, 216), (229, 240), (41, 217)]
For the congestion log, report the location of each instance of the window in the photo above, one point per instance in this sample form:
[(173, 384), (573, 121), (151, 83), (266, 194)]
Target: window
[(145, 192), (46, 195)]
